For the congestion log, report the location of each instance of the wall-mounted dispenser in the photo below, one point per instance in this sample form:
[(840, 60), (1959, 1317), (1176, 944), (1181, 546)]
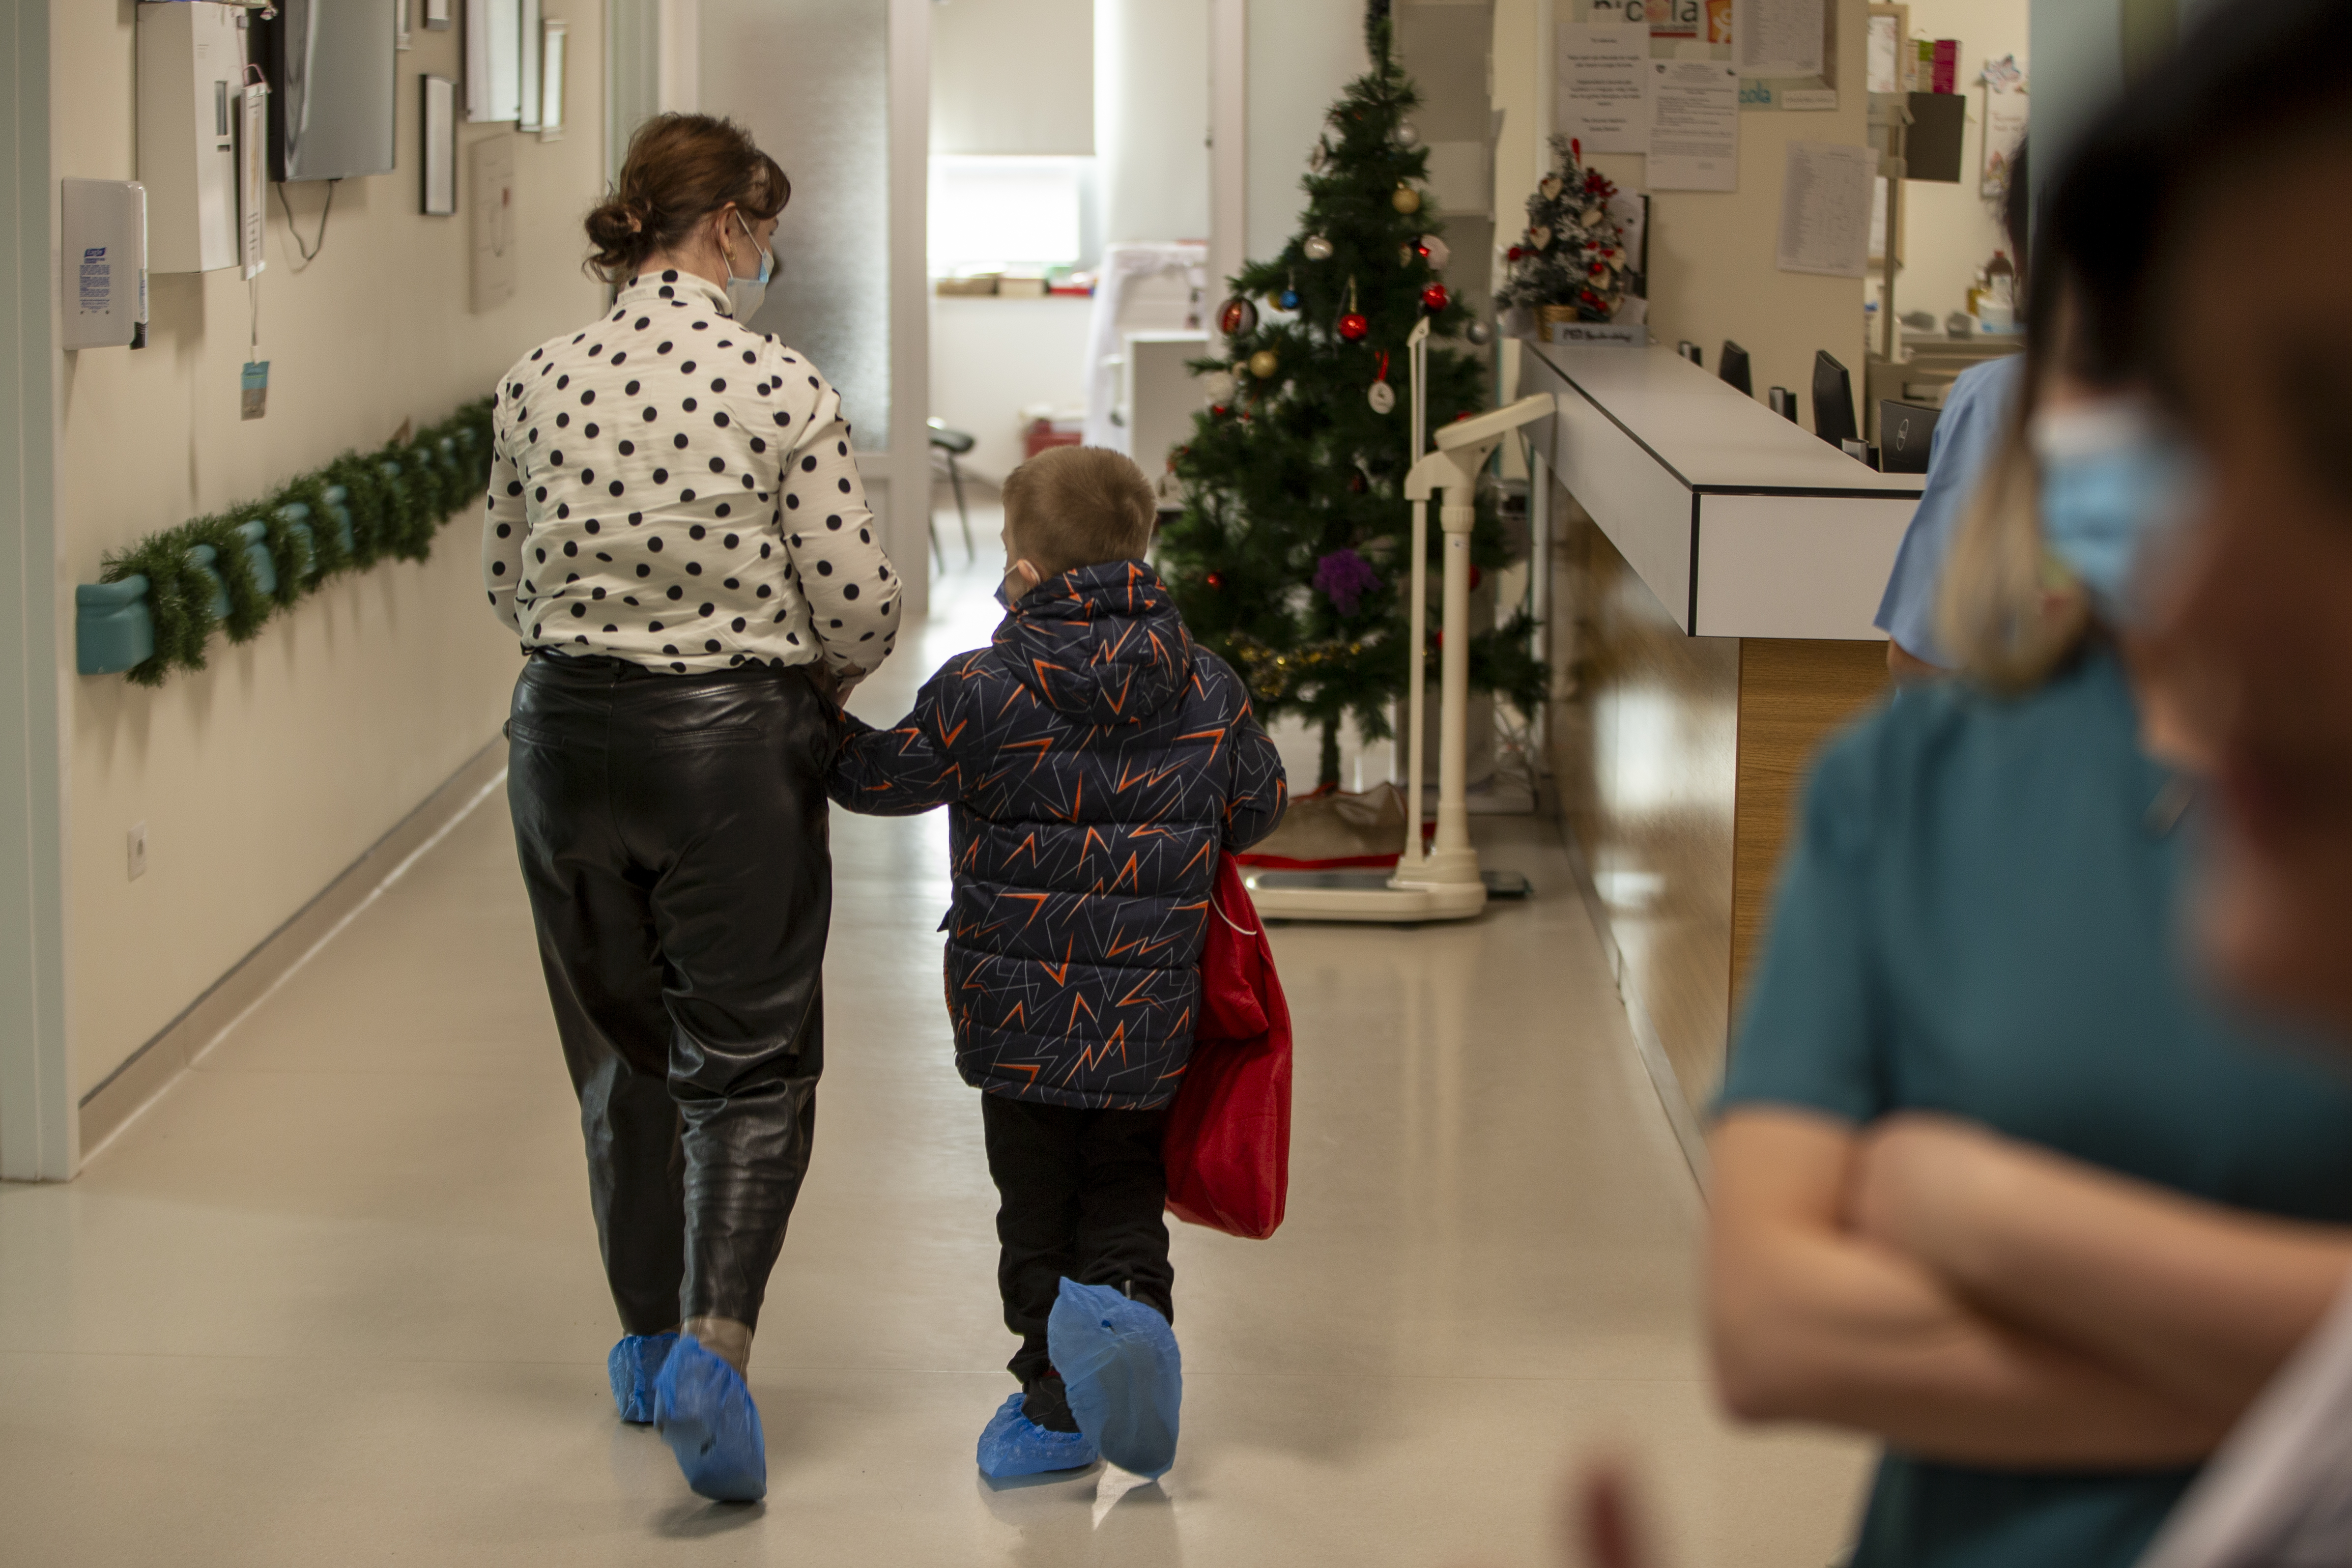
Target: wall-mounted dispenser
[(191, 97), (104, 231)]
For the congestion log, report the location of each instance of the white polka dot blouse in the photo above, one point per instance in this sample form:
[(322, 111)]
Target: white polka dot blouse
[(673, 489)]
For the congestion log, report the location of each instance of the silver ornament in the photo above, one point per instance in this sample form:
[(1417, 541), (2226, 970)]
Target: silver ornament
[(1317, 247), (1479, 333), (1407, 137), (1382, 397)]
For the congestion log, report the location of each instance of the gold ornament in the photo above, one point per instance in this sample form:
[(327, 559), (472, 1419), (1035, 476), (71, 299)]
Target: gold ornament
[(1264, 363), (1407, 200)]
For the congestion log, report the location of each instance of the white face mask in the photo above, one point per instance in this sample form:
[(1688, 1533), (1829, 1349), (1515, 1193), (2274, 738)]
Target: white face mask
[(745, 295)]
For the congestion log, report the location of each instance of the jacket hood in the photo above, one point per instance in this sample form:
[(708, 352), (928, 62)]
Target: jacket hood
[(1102, 644)]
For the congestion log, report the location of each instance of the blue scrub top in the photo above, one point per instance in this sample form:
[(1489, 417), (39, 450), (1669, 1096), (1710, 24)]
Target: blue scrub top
[(1968, 437), (1979, 918)]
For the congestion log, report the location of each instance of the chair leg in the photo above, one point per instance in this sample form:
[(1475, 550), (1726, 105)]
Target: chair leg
[(964, 515), (937, 554)]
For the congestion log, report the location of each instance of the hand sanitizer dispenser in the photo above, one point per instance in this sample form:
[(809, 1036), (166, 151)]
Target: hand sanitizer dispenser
[(105, 264), (191, 97)]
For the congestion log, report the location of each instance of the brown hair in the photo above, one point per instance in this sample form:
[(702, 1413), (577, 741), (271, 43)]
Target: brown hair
[(1078, 505), (681, 168)]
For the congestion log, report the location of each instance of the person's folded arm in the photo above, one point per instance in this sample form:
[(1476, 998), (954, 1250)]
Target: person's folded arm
[(2202, 1302), (1809, 1322)]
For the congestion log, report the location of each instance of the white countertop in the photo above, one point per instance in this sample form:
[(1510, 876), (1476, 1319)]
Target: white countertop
[(1709, 434)]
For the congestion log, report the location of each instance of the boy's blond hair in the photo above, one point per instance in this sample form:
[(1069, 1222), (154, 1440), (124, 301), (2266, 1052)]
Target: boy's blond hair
[(1071, 507)]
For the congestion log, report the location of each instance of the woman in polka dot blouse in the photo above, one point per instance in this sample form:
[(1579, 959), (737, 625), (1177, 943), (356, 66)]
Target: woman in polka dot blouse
[(677, 533)]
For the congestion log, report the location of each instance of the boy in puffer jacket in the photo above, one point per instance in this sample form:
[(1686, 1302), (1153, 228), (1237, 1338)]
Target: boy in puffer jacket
[(1095, 764)]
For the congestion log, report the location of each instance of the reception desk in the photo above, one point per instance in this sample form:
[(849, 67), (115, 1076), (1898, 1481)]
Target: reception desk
[(1713, 573)]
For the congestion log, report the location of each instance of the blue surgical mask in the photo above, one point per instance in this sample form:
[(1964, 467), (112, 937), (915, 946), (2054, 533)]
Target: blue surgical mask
[(2114, 482), (745, 295)]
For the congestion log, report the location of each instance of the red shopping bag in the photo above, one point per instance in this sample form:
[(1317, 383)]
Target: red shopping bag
[(1227, 1148)]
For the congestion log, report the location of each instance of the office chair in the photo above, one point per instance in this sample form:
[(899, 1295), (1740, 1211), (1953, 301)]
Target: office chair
[(950, 444)]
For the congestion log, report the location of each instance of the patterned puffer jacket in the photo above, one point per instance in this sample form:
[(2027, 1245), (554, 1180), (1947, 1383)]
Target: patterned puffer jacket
[(1094, 763)]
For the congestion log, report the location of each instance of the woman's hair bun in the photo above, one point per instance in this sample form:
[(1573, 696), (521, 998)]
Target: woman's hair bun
[(681, 168)]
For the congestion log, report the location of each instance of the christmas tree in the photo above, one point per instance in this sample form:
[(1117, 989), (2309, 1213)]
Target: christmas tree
[(1291, 559), (1570, 256)]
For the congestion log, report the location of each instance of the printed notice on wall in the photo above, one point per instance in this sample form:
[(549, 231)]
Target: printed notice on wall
[(1694, 126), (1825, 209), (1777, 37), (1602, 94)]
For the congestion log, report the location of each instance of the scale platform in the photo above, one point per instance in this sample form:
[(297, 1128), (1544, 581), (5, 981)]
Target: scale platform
[(1370, 896)]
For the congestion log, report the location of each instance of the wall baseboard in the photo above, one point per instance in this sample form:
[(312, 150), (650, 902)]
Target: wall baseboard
[(154, 1066)]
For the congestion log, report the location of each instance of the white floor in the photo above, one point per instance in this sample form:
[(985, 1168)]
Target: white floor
[(335, 1298)]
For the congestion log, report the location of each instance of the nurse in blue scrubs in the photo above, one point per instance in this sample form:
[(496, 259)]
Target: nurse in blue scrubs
[(1979, 921), (1978, 414)]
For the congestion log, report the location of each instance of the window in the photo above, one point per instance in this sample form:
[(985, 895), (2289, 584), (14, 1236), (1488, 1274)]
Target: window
[(997, 215)]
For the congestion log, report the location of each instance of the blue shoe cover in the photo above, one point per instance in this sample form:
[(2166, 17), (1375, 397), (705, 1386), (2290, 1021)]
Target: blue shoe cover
[(1126, 1380), (634, 1365), (706, 1416), (1013, 1445)]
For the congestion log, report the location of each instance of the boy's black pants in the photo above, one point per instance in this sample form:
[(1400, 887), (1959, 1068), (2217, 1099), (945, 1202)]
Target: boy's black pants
[(1080, 1194)]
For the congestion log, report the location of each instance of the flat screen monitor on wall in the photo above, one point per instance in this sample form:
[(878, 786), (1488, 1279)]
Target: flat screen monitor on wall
[(331, 85)]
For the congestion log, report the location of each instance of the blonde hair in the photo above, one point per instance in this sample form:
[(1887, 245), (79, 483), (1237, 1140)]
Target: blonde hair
[(1071, 507), (2006, 611)]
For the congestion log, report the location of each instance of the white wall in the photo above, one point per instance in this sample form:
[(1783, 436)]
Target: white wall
[(1948, 232), (1151, 118), (1302, 53), (1013, 76), (993, 358), (263, 778)]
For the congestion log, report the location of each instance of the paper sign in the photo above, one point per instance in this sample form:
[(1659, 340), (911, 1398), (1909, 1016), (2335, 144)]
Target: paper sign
[(1602, 100), (2004, 132), (1694, 126), (253, 390), (1825, 209), (1777, 37)]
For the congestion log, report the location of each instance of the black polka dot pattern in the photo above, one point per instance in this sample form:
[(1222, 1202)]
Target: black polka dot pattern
[(757, 596)]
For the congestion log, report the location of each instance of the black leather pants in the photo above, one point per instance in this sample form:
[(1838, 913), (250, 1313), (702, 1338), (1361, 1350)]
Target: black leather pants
[(672, 833)]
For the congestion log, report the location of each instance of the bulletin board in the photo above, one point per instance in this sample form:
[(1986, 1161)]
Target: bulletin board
[(1702, 29)]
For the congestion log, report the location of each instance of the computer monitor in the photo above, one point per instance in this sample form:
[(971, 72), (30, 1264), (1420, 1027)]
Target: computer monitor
[(1904, 433), (1832, 401), (1690, 350), (1732, 366)]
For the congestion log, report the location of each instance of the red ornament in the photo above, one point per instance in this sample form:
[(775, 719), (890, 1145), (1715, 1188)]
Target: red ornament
[(1216, 410), (1476, 577), (1353, 326), (1513, 253), (1435, 298), (1216, 580)]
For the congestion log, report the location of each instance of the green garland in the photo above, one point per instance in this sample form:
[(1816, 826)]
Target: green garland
[(390, 517)]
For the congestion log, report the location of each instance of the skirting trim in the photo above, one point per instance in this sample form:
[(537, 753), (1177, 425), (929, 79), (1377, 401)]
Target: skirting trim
[(156, 1065)]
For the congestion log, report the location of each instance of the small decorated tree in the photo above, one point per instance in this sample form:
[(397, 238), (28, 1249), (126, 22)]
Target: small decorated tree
[(1571, 257), (1292, 553)]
